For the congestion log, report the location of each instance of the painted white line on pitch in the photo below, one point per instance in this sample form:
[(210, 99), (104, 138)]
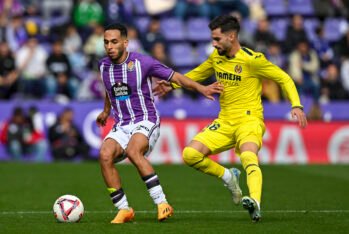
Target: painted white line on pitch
[(183, 211)]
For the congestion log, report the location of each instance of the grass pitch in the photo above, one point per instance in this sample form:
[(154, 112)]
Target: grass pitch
[(296, 199)]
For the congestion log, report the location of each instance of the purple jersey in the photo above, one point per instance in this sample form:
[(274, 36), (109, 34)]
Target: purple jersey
[(129, 87)]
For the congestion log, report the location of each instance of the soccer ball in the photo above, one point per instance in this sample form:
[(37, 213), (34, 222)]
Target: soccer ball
[(68, 209)]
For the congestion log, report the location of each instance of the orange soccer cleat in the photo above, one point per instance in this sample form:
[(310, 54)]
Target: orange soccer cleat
[(124, 216), (164, 211)]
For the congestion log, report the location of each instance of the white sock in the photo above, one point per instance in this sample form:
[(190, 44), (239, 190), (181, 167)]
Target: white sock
[(226, 176), (157, 195), (122, 204)]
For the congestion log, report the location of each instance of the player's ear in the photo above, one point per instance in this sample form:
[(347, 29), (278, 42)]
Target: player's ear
[(126, 42), (232, 36)]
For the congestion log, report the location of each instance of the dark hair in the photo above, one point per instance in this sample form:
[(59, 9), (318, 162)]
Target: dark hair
[(117, 26), (225, 23)]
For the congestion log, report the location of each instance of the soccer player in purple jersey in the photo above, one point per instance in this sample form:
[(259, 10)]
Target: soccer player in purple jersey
[(127, 80)]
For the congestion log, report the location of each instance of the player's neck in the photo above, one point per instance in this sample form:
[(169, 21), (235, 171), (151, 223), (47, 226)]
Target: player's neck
[(234, 49), (122, 59)]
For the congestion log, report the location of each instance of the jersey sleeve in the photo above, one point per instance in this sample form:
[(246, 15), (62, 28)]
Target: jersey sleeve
[(160, 71), (263, 68), (201, 72)]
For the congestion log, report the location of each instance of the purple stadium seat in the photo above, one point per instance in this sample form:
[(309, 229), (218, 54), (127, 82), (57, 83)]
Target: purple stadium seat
[(275, 7), (303, 7), (332, 28), (202, 51), (310, 26), (139, 7), (173, 29), (142, 23), (278, 27), (182, 55), (197, 29), (249, 26)]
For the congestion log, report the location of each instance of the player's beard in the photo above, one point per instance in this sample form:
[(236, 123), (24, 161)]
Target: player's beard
[(118, 55), (221, 51)]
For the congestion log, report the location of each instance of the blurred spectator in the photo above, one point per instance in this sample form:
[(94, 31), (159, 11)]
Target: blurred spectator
[(54, 8), (345, 73), (295, 33), (16, 33), (3, 26), (263, 37), (270, 90), (66, 141), (86, 14), (31, 63), (229, 6), (60, 80), (342, 47), (21, 139), (91, 87), (152, 35), (134, 42), (331, 86), (119, 11), (303, 68), (94, 46), (8, 72), (72, 46), (323, 48), (158, 51), (315, 112), (186, 8), (11, 7), (275, 55), (158, 7), (245, 37), (256, 10)]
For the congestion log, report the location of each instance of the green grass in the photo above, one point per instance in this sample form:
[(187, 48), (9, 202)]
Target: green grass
[(296, 199)]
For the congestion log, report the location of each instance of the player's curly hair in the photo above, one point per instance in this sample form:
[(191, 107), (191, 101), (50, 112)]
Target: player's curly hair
[(225, 23)]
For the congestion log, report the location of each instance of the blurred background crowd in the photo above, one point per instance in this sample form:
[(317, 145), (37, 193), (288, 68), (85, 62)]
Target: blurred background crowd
[(49, 48)]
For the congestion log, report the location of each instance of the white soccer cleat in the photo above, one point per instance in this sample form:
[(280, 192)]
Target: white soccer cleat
[(251, 206), (233, 185)]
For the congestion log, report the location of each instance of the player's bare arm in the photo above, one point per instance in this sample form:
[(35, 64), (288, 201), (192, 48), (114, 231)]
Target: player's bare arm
[(103, 116), (207, 91), (299, 114)]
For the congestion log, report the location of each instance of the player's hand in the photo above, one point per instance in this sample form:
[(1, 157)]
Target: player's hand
[(209, 90), (299, 114), (102, 119), (162, 88)]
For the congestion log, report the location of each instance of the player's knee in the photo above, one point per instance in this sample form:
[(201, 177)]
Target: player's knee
[(191, 156), (248, 158), (135, 156), (105, 156)]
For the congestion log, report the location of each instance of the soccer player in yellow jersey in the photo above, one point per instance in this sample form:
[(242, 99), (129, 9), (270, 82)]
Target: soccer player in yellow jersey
[(240, 123)]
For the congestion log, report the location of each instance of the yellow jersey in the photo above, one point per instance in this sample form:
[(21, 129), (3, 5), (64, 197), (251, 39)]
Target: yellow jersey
[(242, 79)]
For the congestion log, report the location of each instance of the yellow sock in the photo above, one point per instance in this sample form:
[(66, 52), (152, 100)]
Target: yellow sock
[(249, 162), (199, 161)]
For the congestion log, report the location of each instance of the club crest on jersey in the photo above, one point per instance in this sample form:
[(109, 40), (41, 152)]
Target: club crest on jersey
[(130, 66), (121, 91), (238, 69)]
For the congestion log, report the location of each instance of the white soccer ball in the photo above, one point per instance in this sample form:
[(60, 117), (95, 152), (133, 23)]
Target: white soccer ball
[(68, 209)]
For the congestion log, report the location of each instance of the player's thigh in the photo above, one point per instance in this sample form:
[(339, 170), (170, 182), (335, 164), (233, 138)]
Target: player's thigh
[(217, 137), (110, 150), (144, 137), (114, 144), (250, 130)]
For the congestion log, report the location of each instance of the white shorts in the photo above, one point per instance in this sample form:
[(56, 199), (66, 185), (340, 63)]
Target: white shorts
[(123, 134)]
